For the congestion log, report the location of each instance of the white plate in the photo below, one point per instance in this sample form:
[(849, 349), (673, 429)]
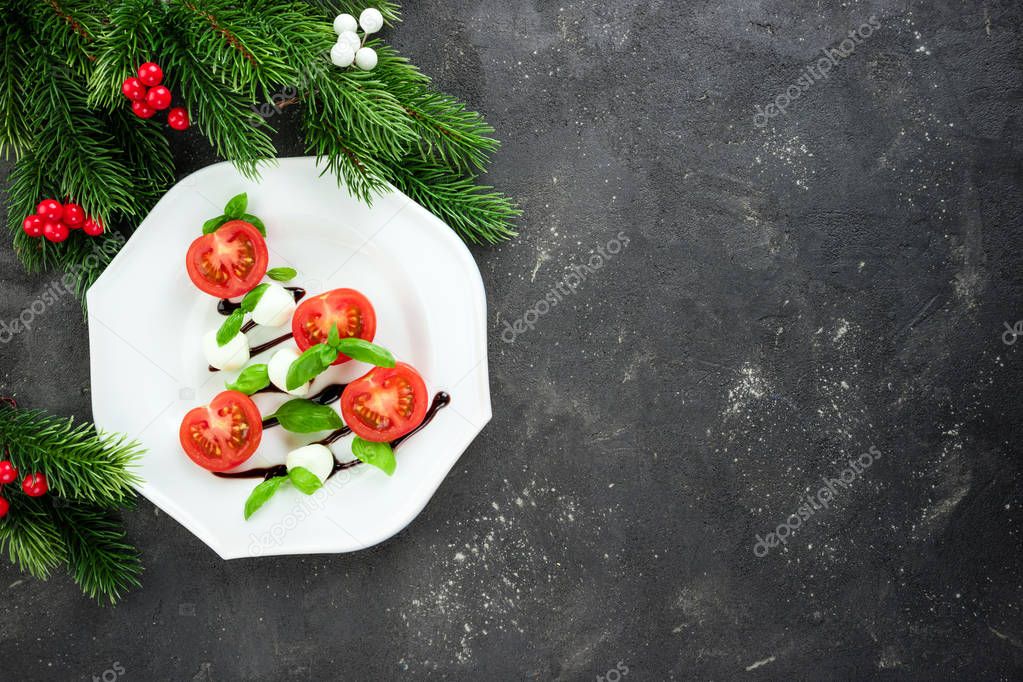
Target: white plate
[(146, 320)]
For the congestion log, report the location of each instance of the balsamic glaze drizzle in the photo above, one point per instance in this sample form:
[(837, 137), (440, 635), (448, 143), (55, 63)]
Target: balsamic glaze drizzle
[(440, 401)]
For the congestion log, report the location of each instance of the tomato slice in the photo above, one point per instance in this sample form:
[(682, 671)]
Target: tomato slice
[(229, 261), (385, 403), (347, 308), (223, 434)]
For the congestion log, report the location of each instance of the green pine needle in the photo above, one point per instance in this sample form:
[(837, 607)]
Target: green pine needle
[(79, 464)]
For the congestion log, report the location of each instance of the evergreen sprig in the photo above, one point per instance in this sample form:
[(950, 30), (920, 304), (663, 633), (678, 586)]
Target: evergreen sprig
[(89, 476), (79, 463)]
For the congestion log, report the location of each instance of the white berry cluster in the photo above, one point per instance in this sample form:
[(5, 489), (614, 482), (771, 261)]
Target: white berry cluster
[(349, 48)]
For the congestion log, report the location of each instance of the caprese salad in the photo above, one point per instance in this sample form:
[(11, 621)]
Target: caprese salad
[(381, 408)]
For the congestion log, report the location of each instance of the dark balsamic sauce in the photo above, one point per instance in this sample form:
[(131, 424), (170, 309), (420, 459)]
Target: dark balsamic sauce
[(440, 401), (256, 350), (226, 307)]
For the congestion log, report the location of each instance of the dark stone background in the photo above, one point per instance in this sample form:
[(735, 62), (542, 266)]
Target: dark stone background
[(791, 295)]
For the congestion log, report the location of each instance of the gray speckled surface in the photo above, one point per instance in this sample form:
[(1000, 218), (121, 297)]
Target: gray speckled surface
[(790, 295)]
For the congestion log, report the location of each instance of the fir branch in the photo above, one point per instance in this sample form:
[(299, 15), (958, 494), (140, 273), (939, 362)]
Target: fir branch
[(99, 559), (14, 127), (31, 538), (68, 28), (132, 37), (78, 463), (475, 212)]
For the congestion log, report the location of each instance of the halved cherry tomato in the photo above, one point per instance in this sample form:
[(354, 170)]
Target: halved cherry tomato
[(223, 434), (385, 403), (347, 308), (228, 262)]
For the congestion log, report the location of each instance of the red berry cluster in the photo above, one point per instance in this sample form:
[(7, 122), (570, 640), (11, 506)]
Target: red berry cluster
[(55, 221), (34, 485), (148, 96)]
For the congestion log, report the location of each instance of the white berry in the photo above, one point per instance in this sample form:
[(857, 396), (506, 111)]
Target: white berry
[(371, 20), (232, 355), (316, 458), (345, 22), (342, 54), (351, 39), (275, 307), (366, 58), (277, 370)]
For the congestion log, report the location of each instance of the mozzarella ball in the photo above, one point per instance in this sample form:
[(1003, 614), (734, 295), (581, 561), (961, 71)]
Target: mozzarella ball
[(232, 355), (275, 307), (351, 39), (371, 20), (316, 458), (366, 58), (345, 22), (342, 55), (277, 370)]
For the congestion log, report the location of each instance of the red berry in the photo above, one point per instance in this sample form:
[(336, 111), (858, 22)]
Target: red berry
[(8, 474), (159, 97), (55, 232), (133, 89), (142, 110), (150, 74), (177, 118), (33, 226), (5, 506), (34, 485), (92, 227), (50, 209), (74, 216)]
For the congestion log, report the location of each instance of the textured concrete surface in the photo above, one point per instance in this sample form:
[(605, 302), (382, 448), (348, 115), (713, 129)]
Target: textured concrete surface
[(790, 295)]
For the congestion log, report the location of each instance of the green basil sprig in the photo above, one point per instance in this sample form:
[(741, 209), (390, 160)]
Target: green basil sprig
[(282, 274), (316, 359), (234, 210), (300, 477), (380, 455), (305, 416), (252, 379), (233, 324)]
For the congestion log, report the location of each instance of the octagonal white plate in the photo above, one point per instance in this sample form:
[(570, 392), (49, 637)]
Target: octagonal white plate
[(146, 320)]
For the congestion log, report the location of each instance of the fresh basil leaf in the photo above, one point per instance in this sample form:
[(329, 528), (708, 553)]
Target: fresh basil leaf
[(282, 274), (253, 378), (256, 222), (364, 351), (250, 299), (309, 364), (236, 206), (334, 336), (305, 416), (232, 325), (261, 493), (304, 480), (380, 455), (213, 224)]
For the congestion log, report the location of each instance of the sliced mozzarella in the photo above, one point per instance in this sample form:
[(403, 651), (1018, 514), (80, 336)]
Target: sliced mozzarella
[(316, 458), (277, 369), (275, 307), (232, 355)]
